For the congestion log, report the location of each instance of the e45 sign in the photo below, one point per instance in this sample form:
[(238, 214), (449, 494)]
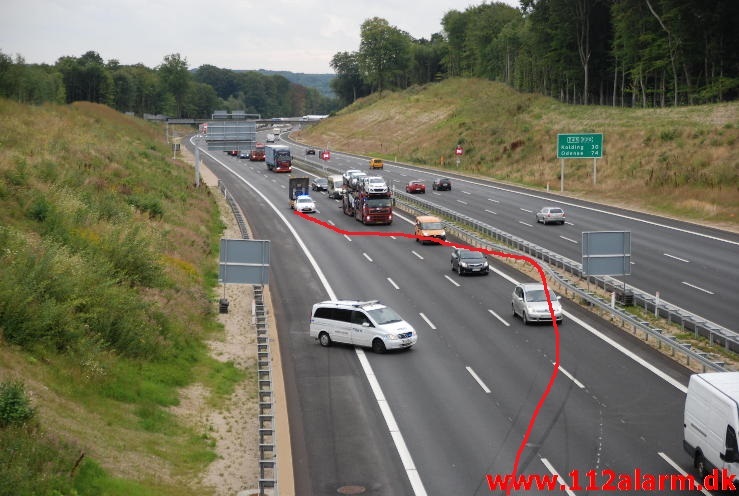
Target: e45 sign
[(589, 145)]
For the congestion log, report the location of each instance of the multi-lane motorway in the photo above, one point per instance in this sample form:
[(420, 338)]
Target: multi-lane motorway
[(441, 417)]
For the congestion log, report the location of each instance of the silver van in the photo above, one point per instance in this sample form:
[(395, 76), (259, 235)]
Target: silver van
[(361, 323), (335, 186)]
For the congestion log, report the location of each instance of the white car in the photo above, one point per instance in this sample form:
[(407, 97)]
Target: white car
[(374, 184), (305, 203), (529, 301), (361, 323), (554, 215)]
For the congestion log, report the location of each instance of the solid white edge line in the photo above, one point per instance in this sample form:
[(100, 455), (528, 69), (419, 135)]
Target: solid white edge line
[(499, 318), (554, 472), (479, 381), (431, 325), (679, 469), (400, 446)]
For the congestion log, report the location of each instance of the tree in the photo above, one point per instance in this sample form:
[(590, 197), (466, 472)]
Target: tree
[(175, 79), (348, 83), (384, 54)]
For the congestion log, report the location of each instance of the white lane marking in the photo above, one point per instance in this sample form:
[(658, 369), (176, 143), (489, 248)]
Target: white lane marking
[(393, 283), (554, 472), (400, 446), (570, 240), (678, 468), (698, 288), (462, 202), (499, 318), (494, 201), (525, 223), (479, 381), (525, 210), (416, 254), (490, 212), (367, 257), (392, 237), (452, 281), (347, 237), (392, 425), (331, 222), (676, 258), (571, 377), (431, 325), (466, 192)]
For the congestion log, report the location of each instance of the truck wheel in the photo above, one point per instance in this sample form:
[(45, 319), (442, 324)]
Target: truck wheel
[(324, 339), (378, 346), (700, 466)]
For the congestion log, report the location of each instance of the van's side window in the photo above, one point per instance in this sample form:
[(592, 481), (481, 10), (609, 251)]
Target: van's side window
[(340, 314), (359, 318), (323, 313), (731, 438)]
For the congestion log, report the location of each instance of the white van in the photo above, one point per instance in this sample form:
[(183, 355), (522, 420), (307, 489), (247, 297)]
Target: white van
[(335, 186), (361, 323), (711, 422)]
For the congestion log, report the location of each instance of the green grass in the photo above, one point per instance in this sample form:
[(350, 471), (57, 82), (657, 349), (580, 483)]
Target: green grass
[(107, 273)]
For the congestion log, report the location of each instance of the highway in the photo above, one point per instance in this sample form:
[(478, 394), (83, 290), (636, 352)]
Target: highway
[(462, 400)]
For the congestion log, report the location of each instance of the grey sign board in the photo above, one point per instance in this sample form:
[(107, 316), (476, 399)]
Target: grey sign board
[(244, 261), (606, 253)]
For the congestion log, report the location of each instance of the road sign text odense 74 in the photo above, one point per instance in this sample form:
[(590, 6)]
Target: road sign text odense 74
[(579, 145)]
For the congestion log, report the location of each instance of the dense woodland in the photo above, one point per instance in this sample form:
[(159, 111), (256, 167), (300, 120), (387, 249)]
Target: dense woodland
[(170, 88), (645, 53)]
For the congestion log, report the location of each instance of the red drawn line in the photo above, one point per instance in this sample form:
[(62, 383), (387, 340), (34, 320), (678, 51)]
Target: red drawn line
[(524, 258)]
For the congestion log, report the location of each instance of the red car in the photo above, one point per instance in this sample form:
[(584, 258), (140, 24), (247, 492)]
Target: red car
[(415, 187)]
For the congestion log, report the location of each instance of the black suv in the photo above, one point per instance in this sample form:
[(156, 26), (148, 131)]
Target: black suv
[(469, 262), (442, 183)]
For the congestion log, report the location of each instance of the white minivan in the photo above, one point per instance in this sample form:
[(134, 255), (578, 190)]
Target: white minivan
[(711, 422), (361, 323)]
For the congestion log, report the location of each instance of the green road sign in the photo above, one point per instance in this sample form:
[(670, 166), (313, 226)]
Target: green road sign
[(588, 145)]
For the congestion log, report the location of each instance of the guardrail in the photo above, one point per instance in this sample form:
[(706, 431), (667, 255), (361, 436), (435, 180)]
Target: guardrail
[(485, 236), (267, 433)]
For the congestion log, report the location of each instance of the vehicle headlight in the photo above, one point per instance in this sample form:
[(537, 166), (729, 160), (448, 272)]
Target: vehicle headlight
[(463, 264), (392, 336)]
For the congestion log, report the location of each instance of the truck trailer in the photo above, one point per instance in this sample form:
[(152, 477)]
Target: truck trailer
[(298, 186), (365, 206), (278, 158)]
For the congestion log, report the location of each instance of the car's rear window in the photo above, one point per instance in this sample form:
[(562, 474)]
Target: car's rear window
[(555, 210)]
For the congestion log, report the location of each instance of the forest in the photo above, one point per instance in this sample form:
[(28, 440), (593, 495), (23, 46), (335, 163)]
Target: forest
[(171, 88), (632, 53)]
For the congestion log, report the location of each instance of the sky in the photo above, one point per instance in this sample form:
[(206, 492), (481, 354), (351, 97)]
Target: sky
[(284, 35)]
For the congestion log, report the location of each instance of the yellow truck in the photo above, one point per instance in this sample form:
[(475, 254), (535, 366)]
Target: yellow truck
[(375, 163)]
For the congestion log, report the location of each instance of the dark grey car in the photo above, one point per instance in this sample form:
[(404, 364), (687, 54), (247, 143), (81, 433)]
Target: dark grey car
[(469, 262)]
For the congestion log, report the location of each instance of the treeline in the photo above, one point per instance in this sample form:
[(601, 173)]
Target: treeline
[(170, 88), (646, 53)]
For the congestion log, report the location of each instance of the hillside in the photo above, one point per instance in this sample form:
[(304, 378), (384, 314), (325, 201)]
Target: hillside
[(680, 162), (321, 82), (108, 266)]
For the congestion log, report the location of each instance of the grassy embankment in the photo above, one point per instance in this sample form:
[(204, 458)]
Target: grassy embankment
[(107, 268), (679, 162)]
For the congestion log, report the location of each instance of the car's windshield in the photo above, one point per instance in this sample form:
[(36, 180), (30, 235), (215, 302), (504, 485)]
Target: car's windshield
[(539, 295), (431, 225), (304, 200), (472, 255), (384, 315)]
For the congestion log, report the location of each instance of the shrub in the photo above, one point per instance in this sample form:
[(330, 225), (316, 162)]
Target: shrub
[(15, 406)]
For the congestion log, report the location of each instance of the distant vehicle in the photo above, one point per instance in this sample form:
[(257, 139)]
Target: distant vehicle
[(429, 226), (442, 183), (257, 154), (711, 422), (233, 153), (270, 138), (529, 301), (360, 323), (469, 262), (374, 184), (319, 184), (415, 187), (550, 215), (335, 186), (375, 163), (349, 174), (310, 151), (297, 186), (244, 154), (278, 158), (305, 203)]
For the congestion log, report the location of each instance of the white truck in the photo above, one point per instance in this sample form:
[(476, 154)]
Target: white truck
[(270, 138), (711, 423)]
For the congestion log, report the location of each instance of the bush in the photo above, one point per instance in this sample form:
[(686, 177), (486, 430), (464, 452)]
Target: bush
[(15, 406)]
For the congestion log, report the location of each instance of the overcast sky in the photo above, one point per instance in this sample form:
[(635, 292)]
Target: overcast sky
[(291, 35)]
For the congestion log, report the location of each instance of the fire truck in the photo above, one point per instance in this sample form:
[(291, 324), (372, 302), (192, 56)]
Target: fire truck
[(368, 205)]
